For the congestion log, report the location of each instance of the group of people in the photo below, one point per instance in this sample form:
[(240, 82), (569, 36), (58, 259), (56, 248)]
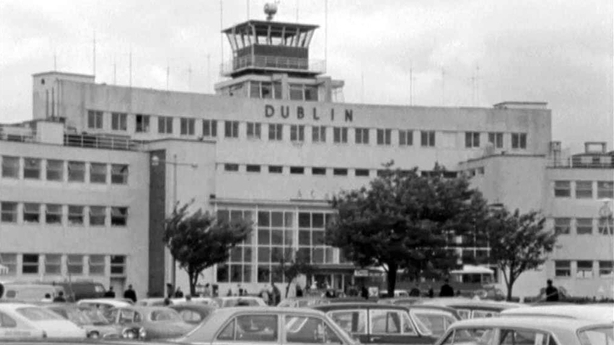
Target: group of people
[(128, 294)]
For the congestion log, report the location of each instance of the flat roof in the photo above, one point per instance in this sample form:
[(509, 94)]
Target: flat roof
[(262, 27), (63, 73)]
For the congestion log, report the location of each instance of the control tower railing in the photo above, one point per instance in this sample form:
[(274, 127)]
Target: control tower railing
[(272, 63)]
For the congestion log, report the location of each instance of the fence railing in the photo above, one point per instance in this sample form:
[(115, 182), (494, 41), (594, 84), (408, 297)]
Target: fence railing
[(101, 142), (272, 62), (583, 162), (19, 134)]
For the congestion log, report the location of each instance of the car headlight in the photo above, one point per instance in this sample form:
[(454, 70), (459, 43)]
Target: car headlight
[(128, 333), (93, 335), (142, 333)]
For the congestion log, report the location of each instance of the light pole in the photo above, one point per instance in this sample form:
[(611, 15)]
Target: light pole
[(155, 161), (605, 215)]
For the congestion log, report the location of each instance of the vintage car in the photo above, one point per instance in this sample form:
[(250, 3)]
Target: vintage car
[(528, 331), (399, 300), (437, 319), (27, 320), (235, 301), (300, 302), (161, 301), (105, 303), (193, 312), (95, 327), (152, 322), (373, 323), (472, 308), (594, 312), (263, 326)]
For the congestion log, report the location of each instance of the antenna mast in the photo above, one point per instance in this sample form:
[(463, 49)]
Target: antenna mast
[(94, 56)]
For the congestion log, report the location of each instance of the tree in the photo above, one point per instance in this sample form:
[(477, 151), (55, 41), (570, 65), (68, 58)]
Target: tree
[(291, 267), (518, 242), (403, 219), (198, 240)]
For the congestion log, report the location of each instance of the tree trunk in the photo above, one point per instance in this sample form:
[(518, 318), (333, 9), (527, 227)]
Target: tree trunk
[(193, 280), (509, 284), (288, 288), (392, 278)]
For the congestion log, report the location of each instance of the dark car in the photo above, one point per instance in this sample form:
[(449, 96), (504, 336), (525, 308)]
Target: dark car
[(470, 308), (152, 322), (373, 323), (78, 290), (193, 313)]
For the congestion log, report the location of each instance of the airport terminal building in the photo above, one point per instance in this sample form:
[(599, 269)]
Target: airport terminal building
[(86, 185)]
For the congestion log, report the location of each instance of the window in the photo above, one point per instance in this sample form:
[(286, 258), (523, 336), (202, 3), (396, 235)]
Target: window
[(265, 90), (55, 170), (584, 226), (8, 212), (31, 213), (75, 215), (605, 268), (76, 171), (231, 167), (275, 131), (362, 172), (340, 172), (584, 189), (10, 167), (6, 321), (352, 321), (297, 133), (75, 264), (252, 168), (518, 336), (98, 215), (562, 268), (32, 168), (300, 92), (362, 136), (30, 264), (94, 119), (275, 169), (210, 128), (142, 123), (406, 137), (10, 262), (118, 265), (340, 135), (119, 174), (605, 190), (53, 214), (318, 134), (165, 125), (231, 129), (562, 189), (496, 139), (562, 225), (187, 126), (98, 173), (309, 330), (427, 138), (472, 139), (318, 171), (53, 264), (384, 136), (297, 170), (606, 226), (119, 216), (97, 264), (119, 121), (389, 322), (253, 130), (519, 141), (252, 328), (584, 269)]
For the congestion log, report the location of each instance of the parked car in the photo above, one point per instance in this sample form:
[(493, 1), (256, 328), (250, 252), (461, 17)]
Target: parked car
[(234, 301), (399, 300), (152, 302), (160, 301), (594, 312), (105, 303), (25, 292), (261, 325), (95, 328), (78, 290), (299, 302), (472, 308), (38, 319), (193, 312), (152, 322), (529, 331), (397, 294), (202, 300), (16, 326), (437, 319), (373, 323)]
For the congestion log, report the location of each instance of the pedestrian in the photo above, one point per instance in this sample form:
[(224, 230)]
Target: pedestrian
[(431, 292), (446, 290), (207, 292), (60, 298), (170, 291), (188, 298), (299, 291), (167, 301), (552, 293), (110, 293), (47, 298), (364, 292), (265, 295), (276, 294), (178, 293), (240, 289), (414, 292), (130, 294)]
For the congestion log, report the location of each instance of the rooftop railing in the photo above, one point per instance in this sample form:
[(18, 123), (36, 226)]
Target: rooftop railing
[(19, 134), (583, 162), (101, 142), (273, 63)]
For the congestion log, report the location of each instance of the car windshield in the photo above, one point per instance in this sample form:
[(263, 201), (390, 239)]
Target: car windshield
[(38, 314), (96, 316), (165, 316), (79, 317), (597, 336)]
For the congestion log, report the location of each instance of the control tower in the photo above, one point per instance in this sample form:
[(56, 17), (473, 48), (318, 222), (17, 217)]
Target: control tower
[(271, 60)]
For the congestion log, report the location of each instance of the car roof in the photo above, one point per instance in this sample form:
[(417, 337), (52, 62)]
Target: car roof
[(471, 303), (544, 324), (192, 306), (355, 305), (589, 312), (144, 309), (14, 306)]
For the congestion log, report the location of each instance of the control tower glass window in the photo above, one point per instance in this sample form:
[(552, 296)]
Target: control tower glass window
[(301, 92), (265, 90)]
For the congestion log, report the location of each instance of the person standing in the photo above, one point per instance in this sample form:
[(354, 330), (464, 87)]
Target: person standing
[(110, 293), (178, 293), (60, 298), (265, 295), (364, 292), (552, 293), (170, 291), (446, 290), (130, 294), (431, 292), (276, 294), (207, 290)]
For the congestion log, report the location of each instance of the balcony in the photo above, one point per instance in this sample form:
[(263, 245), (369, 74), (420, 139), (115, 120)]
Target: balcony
[(101, 142), (18, 134), (272, 63), (601, 161)]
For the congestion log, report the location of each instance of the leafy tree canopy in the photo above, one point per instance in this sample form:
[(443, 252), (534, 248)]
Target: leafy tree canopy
[(291, 267)]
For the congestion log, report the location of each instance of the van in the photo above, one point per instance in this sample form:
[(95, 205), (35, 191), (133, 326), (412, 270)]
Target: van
[(79, 290), (27, 292)]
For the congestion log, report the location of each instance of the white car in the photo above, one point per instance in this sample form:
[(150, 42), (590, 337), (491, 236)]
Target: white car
[(234, 301), (104, 303), (595, 312), (19, 320)]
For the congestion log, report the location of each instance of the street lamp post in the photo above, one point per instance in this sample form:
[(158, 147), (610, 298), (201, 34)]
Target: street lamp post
[(155, 161)]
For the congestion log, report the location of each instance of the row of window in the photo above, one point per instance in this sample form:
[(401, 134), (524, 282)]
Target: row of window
[(63, 264), (56, 214), (583, 226), (253, 130), (584, 269), (584, 189), (30, 168)]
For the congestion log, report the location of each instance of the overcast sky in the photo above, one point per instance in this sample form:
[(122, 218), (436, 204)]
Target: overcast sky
[(484, 51)]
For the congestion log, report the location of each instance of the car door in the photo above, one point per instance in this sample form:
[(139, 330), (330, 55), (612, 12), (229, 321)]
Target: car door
[(250, 329), (308, 330), (353, 321), (393, 326), (11, 328)]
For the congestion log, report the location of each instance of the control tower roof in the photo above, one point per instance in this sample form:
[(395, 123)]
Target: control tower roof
[(265, 28)]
